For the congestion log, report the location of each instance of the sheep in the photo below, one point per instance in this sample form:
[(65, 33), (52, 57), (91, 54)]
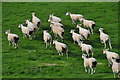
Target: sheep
[(115, 68), (88, 24), (90, 63), (76, 37), (58, 31), (26, 31), (85, 33), (74, 17), (12, 38), (47, 38), (61, 48), (53, 18), (109, 56), (36, 20), (104, 38), (32, 26), (86, 48)]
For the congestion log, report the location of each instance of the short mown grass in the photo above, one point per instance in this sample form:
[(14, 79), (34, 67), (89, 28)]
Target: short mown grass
[(33, 60)]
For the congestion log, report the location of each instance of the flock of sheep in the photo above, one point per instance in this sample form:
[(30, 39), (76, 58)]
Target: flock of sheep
[(58, 29)]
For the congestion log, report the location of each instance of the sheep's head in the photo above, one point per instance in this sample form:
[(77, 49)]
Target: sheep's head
[(68, 13), (33, 13), (101, 29), (27, 21), (113, 59), (84, 55), (8, 31), (81, 20), (79, 44), (104, 51), (72, 31), (19, 26), (54, 41), (79, 25), (44, 31)]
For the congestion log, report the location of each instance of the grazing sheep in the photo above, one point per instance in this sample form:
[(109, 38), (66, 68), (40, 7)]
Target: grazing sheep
[(47, 38), (61, 48), (58, 31), (53, 18), (88, 23), (76, 37), (86, 48), (74, 17), (26, 31), (85, 33), (104, 38), (12, 38), (89, 63), (36, 20), (110, 55), (115, 68)]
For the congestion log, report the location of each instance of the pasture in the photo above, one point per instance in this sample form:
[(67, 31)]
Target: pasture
[(33, 60)]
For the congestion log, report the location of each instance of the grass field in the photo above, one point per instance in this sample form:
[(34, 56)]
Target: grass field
[(25, 63)]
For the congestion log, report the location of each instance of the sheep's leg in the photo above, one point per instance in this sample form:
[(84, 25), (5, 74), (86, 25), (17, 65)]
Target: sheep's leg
[(92, 53), (109, 62), (67, 53), (74, 42), (9, 43), (50, 44), (87, 53), (104, 45), (62, 54), (86, 70), (101, 41), (94, 70), (110, 45), (91, 30), (91, 70), (46, 45), (73, 22), (30, 37), (114, 75), (59, 53)]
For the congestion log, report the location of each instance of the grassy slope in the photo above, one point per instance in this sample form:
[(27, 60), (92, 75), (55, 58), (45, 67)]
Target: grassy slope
[(21, 63)]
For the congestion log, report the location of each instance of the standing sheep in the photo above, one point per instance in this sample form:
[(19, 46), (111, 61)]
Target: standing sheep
[(115, 68), (110, 55), (104, 38), (88, 24), (58, 31), (76, 37), (12, 38), (89, 63), (36, 20), (61, 48), (85, 33), (26, 31), (47, 38), (86, 48), (74, 17), (53, 18)]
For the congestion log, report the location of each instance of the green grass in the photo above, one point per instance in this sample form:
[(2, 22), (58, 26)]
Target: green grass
[(20, 63)]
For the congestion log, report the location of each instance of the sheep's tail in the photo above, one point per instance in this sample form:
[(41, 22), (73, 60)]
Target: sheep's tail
[(94, 64), (93, 25), (38, 24), (16, 39)]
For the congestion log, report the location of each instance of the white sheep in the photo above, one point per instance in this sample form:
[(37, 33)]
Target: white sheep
[(47, 38), (88, 24), (61, 48), (86, 48), (32, 26), (53, 18), (110, 55), (58, 31), (115, 68), (76, 37), (12, 38), (104, 38), (89, 63), (74, 17), (36, 20), (84, 32), (26, 31)]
